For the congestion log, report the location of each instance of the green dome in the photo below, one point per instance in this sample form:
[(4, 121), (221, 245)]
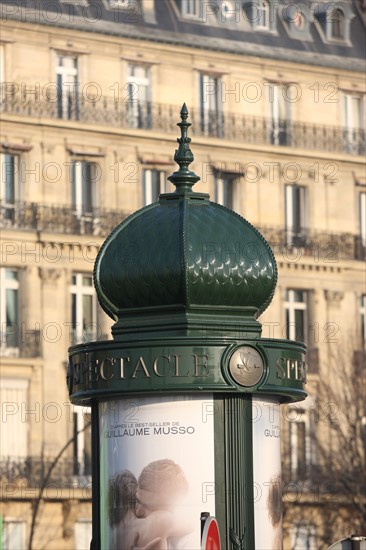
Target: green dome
[(184, 253)]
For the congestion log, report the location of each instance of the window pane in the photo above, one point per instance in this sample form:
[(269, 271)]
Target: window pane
[(289, 331), (298, 295), (11, 274), (12, 536), (73, 311), (87, 187), (11, 306), (155, 185), (87, 280), (87, 311), (9, 175), (299, 324), (301, 449)]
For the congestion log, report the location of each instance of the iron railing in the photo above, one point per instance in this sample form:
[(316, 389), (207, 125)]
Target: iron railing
[(59, 219), (322, 246), (325, 247), (123, 113), (34, 470), (15, 342)]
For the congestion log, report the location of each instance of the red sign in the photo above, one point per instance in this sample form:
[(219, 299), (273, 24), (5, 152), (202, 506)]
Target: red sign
[(211, 535)]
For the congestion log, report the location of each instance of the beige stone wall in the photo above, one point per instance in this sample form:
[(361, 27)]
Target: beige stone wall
[(30, 53)]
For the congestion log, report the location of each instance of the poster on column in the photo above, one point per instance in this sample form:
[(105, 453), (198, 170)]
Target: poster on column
[(156, 458), (267, 474)]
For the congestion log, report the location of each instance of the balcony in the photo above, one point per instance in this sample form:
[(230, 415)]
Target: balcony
[(322, 247), (58, 219), (19, 343), (32, 471), (248, 129)]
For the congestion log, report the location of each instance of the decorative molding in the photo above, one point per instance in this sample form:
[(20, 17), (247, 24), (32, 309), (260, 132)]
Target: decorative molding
[(49, 276), (334, 297)]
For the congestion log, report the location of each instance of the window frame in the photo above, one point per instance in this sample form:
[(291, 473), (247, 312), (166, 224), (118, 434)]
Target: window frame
[(80, 522), (304, 416), (8, 205), (139, 110), (213, 108), (263, 9), (147, 184), (292, 306), (81, 465), (225, 188), (194, 13), (296, 205), (331, 20), (19, 433), (280, 127), (353, 125), (7, 284), (67, 100), (9, 521), (79, 290), (82, 186)]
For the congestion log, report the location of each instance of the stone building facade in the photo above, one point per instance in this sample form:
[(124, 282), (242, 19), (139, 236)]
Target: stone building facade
[(91, 91)]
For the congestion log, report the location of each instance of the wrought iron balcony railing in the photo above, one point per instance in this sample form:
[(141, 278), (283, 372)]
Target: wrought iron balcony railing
[(59, 219), (33, 471), (121, 113), (322, 246), (16, 342)]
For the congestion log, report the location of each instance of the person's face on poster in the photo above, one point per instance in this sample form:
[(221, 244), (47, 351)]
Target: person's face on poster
[(148, 502)]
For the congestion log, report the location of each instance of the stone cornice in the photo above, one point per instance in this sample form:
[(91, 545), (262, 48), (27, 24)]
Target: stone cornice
[(154, 34)]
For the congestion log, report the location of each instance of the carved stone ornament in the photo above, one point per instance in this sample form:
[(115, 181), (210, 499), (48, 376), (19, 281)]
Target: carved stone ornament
[(49, 276)]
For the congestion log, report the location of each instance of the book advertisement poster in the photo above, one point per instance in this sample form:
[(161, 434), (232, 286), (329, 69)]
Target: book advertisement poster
[(267, 474), (156, 458)]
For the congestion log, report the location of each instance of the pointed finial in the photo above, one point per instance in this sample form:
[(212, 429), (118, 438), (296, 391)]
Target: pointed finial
[(184, 179)]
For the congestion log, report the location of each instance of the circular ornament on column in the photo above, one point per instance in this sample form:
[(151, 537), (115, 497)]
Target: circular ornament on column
[(246, 366)]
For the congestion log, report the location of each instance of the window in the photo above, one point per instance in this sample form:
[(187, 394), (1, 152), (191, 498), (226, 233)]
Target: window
[(191, 8), (353, 133), (14, 431), (280, 113), (84, 183), (296, 215), (154, 183), (9, 189), (296, 306), (82, 442), (211, 116), (301, 457), (9, 310), (337, 22), (84, 308), (138, 96), (262, 16), (303, 537), (12, 534), (83, 534), (225, 188), (67, 83)]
